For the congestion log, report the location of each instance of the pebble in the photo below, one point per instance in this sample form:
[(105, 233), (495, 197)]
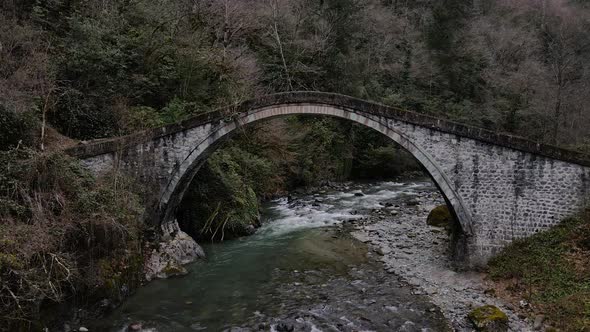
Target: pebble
[(420, 255)]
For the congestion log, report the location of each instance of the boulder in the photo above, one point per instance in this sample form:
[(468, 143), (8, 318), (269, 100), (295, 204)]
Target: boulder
[(440, 216), (176, 249), (489, 318)]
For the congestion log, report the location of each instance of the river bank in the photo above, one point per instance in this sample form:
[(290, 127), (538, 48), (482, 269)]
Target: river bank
[(342, 257), (419, 255), (301, 270)]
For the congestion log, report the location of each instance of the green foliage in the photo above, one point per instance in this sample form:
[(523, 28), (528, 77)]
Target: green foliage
[(219, 204), (550, 269), (128, 56), (256, 171), (448, 17), (383, 162), (460, 70), (447, 58), (325, 152), (16, 128), (142, 117), (177, 110)]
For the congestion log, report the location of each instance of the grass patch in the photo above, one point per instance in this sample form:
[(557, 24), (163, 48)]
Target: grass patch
[(551, 270)]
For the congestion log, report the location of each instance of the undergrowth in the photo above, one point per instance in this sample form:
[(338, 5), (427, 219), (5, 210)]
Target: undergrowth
[(220, 205), (551, 270), (63, 235)]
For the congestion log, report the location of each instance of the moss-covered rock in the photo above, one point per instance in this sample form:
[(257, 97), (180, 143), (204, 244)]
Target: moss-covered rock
[(489, 318), (440, 216), (173, 269)]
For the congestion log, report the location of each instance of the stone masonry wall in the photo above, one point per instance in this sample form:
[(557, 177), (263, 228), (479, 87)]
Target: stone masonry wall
[(499, 192), (509, 194)]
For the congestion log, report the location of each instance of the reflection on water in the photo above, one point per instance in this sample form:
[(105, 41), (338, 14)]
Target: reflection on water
[(274, 273)]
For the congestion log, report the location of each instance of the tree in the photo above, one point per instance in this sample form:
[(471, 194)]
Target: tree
[(26, 80), (566, 52)]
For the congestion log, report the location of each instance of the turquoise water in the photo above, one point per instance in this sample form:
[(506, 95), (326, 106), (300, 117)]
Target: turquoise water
[(300, 258)]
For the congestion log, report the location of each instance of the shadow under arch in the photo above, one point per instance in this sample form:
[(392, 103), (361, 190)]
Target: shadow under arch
[(183, 174)]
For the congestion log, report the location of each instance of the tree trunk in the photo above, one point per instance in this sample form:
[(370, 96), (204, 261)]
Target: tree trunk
[(556, 113)]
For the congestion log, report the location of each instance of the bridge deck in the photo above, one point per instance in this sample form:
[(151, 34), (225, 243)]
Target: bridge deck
[(104, 146)]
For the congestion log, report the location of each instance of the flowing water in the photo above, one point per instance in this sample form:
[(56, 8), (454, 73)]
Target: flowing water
[(301, 271)]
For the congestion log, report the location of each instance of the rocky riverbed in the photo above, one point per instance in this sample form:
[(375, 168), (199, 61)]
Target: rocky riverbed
[(342, 257), (302, 271), (420, 255)]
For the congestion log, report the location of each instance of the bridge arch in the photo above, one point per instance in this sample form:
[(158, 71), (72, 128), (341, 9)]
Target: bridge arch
[(183, 174), (501, 187)]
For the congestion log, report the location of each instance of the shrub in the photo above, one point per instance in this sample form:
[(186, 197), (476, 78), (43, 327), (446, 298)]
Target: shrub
[(16, 128), (62, 233), (141, 117), (219, 204)]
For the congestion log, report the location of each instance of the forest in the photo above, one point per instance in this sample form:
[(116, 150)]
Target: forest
[(73, 71)]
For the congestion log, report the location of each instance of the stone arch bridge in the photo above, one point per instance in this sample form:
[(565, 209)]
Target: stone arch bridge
[(500, 187)]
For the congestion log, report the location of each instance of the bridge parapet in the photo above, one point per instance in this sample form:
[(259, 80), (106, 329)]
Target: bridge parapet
[(103, 146), (500, 187)]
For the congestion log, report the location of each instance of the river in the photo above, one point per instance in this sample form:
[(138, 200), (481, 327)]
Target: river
[(301, 271)]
